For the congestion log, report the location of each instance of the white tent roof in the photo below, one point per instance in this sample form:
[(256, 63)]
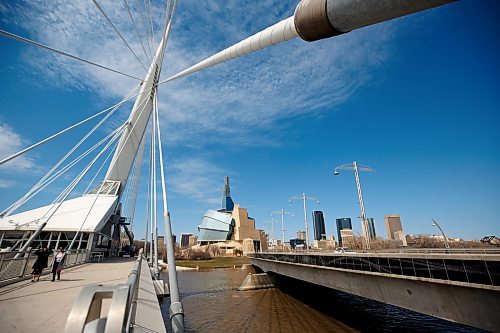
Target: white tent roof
[(69, 217)]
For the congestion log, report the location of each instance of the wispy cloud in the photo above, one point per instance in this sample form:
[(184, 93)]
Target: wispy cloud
[(197, 178), (4, 183), (10, 143), (234, 103)]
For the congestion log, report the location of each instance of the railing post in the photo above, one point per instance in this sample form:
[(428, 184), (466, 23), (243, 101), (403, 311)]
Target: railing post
[(26, 260)]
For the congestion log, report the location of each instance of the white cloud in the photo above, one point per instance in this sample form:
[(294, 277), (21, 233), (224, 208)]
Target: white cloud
[(4, 183), (10, 143), (235, 103), (233, 99), (197, 178)]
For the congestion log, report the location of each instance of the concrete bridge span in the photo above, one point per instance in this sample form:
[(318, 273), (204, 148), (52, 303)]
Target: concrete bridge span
[(458, 288)]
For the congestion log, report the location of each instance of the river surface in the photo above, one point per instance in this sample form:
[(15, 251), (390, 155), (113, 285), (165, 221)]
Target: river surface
[(213, 304)]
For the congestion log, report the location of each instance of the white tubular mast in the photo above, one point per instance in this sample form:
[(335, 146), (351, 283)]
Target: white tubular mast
[(131, 138), (314, 20)]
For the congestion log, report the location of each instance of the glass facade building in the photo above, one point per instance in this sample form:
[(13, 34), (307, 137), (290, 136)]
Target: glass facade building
[(371, 228), (319, 225), (215, 227), (343, 223)]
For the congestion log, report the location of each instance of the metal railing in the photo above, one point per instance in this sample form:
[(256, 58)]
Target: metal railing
[(480, 250), (12, 269), (85, 315), (470, 270)]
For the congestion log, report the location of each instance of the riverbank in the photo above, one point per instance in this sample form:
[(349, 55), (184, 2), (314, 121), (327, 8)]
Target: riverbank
[(219, 262)]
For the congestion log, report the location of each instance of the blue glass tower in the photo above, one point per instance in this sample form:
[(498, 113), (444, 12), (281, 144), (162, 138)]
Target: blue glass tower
[(319, 225), (343, 223), (371, 228)]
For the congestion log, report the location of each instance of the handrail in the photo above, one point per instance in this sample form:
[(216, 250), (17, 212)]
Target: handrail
[(85, 315), (14, 269), (479, 250), (476, 269)]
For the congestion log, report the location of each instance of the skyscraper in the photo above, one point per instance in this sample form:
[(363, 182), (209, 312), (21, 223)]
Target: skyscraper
[(371, 228), (319, 225), (392, 224), (301, 234), (343, 223)]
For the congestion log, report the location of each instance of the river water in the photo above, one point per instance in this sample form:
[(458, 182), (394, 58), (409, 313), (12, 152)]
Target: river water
[(213, 304)]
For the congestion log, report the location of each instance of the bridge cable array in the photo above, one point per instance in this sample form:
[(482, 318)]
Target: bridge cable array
[(25, 40), (28, 195), (119, 33)]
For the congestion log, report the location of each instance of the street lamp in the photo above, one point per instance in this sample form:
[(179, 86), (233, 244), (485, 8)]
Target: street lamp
[(358, 167), (446, 244), (282, 212), (272, 229), (304, 198)]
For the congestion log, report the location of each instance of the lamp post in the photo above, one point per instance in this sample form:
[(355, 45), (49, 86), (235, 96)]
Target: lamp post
[(446, 244), (272, 229), (282, 212), (304, 198), (364, 223)]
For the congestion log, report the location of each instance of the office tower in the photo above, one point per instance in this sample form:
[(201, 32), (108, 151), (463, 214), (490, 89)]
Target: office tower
[(392, 224), (371, 228), (347, 237), (343, 223), (227, 201), (301, 234), (319, 225)]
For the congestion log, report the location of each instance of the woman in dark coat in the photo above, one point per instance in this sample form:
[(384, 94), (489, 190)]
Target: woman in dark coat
[(41, 262)]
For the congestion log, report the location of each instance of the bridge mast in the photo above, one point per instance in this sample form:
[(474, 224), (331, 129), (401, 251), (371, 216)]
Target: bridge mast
[(126, 150)]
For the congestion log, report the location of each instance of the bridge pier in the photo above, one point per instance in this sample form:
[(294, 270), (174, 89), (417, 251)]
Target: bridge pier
[(466, 303)]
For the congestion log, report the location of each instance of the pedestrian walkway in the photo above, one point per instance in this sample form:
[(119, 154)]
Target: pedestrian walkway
[(44, 306)]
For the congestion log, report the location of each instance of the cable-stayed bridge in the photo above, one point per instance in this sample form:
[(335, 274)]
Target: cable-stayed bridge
[(81, 225)]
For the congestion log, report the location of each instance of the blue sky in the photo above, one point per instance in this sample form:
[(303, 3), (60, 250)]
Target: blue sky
[(415, 98)]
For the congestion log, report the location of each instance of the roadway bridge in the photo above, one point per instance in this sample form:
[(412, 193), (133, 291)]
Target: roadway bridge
[(460, 287)]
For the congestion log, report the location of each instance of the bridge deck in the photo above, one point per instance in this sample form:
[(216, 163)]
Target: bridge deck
[(44, 306)]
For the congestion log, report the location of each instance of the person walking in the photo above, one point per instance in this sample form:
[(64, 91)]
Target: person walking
[(58, 264), (41, 262)]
